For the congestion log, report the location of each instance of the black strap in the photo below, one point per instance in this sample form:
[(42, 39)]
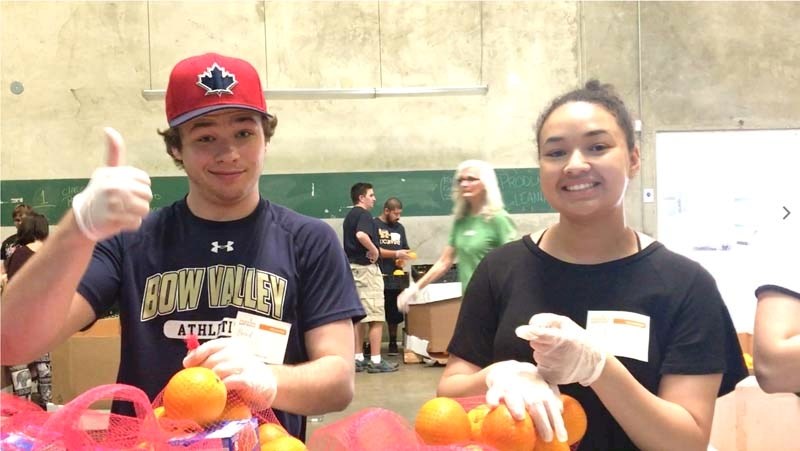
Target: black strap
[(541, 236)]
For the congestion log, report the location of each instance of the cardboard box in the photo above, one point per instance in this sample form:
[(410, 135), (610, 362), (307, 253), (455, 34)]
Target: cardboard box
[(434, 321), (86, 360), (748, 419), (5, 379), (746, 342), (235, 435)]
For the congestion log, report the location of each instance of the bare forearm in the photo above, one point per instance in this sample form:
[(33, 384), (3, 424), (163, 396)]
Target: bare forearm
[(437, 271), (314, 388), (48, 282), (776, 351), (778, 366), (651, 422), (387, 253), (460, 385)]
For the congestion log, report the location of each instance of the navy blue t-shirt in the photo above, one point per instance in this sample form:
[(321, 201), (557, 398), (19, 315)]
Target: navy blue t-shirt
[(358, 220), (392, 237), (180, 274)]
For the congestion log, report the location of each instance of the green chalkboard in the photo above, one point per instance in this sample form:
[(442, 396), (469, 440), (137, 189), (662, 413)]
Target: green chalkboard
[(322, 195)]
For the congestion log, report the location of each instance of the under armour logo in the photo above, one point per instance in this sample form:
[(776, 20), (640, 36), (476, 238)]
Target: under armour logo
[(216, 80), (215, 247)]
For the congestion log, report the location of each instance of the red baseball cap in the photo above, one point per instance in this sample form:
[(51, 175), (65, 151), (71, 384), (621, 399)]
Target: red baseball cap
[(204, 83)]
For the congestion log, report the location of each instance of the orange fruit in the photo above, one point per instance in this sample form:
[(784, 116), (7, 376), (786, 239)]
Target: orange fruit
[(285, 443), (195, 394), (476, 416), (443, 421), (270, 431), (503, 432), (235, 409), (158, 412), (574, 419), (175, 428), (575, 422)]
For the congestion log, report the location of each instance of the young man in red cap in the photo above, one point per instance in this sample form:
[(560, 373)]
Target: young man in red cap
[(195, 266)]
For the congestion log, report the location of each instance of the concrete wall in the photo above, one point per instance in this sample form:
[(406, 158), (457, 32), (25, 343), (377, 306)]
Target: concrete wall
[(690, 65)]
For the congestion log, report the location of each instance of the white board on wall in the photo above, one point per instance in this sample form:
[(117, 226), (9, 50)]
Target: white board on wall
[(715, 191)]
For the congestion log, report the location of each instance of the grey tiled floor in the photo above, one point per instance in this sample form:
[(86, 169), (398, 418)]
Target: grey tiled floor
[(402, 392)]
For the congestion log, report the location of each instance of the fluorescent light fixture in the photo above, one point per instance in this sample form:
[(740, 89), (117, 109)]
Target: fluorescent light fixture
[(302, 94), (432, 91), (352, 93)]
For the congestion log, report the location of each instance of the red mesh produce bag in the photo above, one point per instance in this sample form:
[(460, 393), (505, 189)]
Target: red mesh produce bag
[(25, 426), (21, 417), (235, 409), (195, 398), (76, 426), (380, 429)]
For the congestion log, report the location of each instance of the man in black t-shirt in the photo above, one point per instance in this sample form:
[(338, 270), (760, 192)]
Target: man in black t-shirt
[(360, 238), (393, 247)]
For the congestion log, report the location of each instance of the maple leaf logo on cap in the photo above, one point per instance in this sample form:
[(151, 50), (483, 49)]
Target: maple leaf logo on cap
[(216, 80)]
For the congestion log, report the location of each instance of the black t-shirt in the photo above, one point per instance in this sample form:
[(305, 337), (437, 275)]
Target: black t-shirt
[(358, 220), (393, 238), (691, 331), (18, 258), (8, 243)]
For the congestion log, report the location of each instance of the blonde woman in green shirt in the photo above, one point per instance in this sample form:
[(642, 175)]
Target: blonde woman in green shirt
[(481, 224)]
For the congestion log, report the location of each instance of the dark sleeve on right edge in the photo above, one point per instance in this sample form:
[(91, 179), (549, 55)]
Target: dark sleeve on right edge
[(779, 289)]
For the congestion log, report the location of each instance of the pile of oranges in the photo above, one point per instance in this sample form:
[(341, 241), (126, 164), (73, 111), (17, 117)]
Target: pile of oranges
[(197, 395), (443, 421)]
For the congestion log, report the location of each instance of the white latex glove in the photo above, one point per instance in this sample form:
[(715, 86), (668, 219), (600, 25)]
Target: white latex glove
[(521, 388), (230, 358), (407, 296), (117, 197), (562, 350)]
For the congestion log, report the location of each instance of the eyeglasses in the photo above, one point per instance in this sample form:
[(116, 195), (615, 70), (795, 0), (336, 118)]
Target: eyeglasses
[(468, 179)]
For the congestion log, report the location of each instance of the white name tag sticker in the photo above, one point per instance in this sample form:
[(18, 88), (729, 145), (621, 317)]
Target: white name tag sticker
[(624, 334), (268, 337)]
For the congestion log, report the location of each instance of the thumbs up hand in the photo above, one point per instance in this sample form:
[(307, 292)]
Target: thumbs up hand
[(117, 197)]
